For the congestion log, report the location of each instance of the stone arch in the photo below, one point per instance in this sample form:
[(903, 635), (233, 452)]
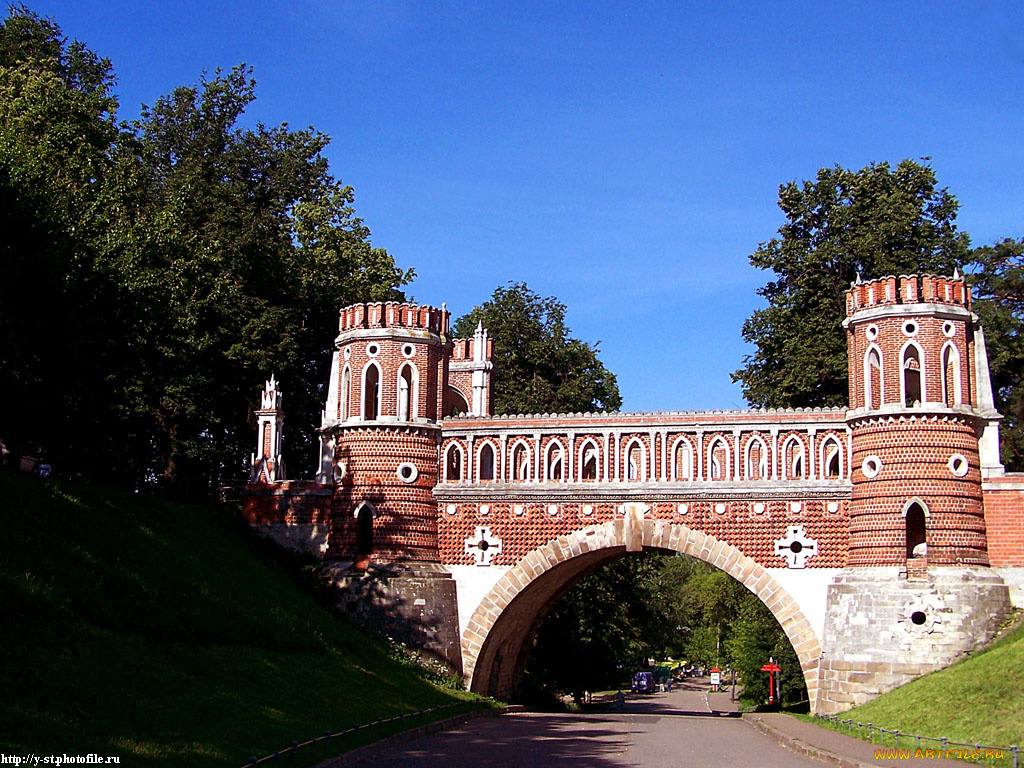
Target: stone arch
[(494, 643)]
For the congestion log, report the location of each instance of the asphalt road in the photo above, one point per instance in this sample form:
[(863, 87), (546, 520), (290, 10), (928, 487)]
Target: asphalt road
[(682, 728)]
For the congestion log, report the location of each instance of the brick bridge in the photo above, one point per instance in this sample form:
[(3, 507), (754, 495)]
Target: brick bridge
[(885, 538)]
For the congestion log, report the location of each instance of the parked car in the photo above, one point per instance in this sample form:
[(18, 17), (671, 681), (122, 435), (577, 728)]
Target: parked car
[(643, 682)]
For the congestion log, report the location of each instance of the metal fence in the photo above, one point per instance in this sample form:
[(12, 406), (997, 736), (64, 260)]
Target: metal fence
[(320, 746), (947, 748)]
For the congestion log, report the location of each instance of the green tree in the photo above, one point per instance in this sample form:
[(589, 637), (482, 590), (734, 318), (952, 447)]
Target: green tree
[(249, 248), (57, 134), (998, 286), (873, 222), (156, 273), (539, 367), (754, 638)]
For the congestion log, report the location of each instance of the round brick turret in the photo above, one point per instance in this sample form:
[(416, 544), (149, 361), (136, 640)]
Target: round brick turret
[(915, 425), (381, 431)]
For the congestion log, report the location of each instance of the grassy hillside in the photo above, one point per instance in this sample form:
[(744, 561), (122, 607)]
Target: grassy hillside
[(167, 634), (979, 699)]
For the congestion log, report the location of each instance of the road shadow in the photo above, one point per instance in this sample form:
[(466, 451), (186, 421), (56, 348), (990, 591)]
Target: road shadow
[(524, 739)]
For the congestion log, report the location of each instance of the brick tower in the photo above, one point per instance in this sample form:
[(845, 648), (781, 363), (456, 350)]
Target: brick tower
[(388, 390), (923, 435), (380, 432)]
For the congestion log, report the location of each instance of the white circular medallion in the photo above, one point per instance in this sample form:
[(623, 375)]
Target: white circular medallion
[(910, 327), (407, 472), (958, 464), (372, 349), (871, 466), (871, 332)]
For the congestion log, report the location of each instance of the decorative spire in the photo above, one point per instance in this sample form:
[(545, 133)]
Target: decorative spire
[(271, 398)]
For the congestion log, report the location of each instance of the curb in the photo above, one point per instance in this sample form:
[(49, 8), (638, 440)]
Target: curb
[(800, 748), (354, 756)]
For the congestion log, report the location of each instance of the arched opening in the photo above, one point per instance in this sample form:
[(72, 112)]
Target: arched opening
[(453, 464), (588, 470), (486, 462), (793, 459), (718, 459), (682, 460), (505, 624), (951, 376), (365, 513), (520, 463), (371, 392), (636, 466), (455, 402), (916, 531), (346, 392), (874, 395), (555, 464), (912, 376), (757, 460), (832, 463), (405, 394)]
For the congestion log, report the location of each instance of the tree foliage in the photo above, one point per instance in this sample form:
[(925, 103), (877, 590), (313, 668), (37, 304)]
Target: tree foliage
[(158, 271), (998, 286), (539, 367), (873, 222)]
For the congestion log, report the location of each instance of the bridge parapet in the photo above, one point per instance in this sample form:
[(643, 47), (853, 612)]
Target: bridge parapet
[(735, 449)]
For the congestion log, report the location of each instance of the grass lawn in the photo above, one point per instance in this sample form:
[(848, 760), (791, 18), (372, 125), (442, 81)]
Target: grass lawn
[(168, 635)]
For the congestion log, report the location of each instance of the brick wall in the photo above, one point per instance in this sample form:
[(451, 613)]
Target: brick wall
[(1004, 518)]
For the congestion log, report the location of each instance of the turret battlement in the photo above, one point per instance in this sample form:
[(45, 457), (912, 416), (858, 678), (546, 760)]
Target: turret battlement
[(394, 314), (466, 349), (908, 289)]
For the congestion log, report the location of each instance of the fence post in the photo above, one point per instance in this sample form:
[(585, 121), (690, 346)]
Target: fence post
[(1013, 749), (896, 737), (944, 741), (295, 748)]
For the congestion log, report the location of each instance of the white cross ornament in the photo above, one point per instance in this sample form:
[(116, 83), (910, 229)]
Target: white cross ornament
[(484, 546), (796, 547)]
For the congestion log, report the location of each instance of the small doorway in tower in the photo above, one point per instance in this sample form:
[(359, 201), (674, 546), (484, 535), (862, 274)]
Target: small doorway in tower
[(916, 532), (365, 513)]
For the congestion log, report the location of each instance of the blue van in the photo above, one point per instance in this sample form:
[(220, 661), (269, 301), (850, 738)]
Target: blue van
[(643, 682)]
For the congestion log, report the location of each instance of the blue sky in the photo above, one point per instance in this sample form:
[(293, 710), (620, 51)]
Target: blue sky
[(624, 157)]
